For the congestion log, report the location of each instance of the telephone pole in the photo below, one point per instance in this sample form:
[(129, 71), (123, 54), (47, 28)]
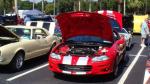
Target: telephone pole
[(16, 6)]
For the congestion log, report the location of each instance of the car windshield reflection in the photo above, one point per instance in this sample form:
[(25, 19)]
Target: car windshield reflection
[(21, 32), (88, 39)]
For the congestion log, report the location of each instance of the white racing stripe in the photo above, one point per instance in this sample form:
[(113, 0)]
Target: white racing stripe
[(80, 73), (125, 75), (66, 72), (67, 60), (100, 12), (25, 73), (82, 60), (109, 12)]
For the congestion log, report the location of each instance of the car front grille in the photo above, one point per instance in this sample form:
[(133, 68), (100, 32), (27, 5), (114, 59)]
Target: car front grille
[(81, 68)]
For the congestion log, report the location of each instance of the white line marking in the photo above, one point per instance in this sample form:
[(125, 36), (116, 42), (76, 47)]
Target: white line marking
[(125, 75), (131, 55), (25, 73)]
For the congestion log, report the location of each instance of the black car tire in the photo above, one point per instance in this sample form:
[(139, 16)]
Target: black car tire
[(123, 57), (17, 62), (115, 71)]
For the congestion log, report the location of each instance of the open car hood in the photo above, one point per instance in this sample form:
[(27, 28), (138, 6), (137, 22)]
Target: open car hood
[(6, 33), (84, 23), (114, 15)]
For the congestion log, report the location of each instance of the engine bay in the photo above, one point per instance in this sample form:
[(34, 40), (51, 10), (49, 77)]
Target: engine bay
[(79, 49)]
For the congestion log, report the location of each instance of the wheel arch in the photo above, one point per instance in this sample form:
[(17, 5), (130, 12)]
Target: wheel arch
[(19, 51)]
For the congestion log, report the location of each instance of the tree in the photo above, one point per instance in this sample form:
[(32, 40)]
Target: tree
[(49, 8), (135, 5), (65, 5), (25, 5)]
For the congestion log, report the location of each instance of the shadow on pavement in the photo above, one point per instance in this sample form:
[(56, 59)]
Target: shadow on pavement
[(29, 64)]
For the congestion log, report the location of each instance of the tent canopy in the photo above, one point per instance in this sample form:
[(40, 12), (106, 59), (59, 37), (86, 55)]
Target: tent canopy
[(34, 12)]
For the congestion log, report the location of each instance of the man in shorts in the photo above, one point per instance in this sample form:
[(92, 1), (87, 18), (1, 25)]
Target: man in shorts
[(144, 32)]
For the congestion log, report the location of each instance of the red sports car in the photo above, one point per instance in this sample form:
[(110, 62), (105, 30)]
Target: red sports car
[(89, 45)]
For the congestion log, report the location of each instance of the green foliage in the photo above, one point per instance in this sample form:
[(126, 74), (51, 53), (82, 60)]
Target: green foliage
[(49, 8), (65, 5), (25, 5), (135, 5)]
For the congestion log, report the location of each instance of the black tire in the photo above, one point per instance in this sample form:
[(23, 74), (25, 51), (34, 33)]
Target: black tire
[(17, 62), (114, 74), (129, 45), (58, 75), (123, 60)]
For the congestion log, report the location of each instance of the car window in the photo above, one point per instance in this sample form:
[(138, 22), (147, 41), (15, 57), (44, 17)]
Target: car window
[(33, 24), (57, 31), (39, 32), (120, 30), (114, 23), (116, 35), (46, 26), (22, 32)]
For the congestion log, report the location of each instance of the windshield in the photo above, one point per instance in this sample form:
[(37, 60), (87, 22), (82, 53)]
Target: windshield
[(116, 26), (88, 39), (22, 32), (120, 30), (57, 31)]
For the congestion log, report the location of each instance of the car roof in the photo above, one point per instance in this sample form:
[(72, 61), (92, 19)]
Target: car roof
[(23, 26)]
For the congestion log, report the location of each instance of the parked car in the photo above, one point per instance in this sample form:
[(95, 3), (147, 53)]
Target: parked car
[(20, 43), (89, 46), (50, 26), (127, 35), (122, 32)]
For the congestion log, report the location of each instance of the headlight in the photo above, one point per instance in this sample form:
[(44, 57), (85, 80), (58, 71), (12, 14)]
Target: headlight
[(100, 58), (55, 56)]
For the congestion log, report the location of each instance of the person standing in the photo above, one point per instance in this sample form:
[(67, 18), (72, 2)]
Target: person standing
[(144, 32)]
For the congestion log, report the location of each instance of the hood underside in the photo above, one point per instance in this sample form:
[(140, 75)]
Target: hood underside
[(84, 23), (6, 33)]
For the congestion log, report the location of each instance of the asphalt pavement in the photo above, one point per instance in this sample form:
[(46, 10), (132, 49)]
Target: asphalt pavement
[(36, 71)]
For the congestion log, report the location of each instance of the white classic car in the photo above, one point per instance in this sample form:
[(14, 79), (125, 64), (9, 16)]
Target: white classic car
[(20, 43)]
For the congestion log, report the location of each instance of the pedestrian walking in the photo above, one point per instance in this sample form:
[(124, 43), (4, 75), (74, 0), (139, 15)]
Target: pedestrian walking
[(144, 32)]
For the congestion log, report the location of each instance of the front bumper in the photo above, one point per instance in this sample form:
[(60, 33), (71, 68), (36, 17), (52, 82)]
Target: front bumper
[(95, 68)]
